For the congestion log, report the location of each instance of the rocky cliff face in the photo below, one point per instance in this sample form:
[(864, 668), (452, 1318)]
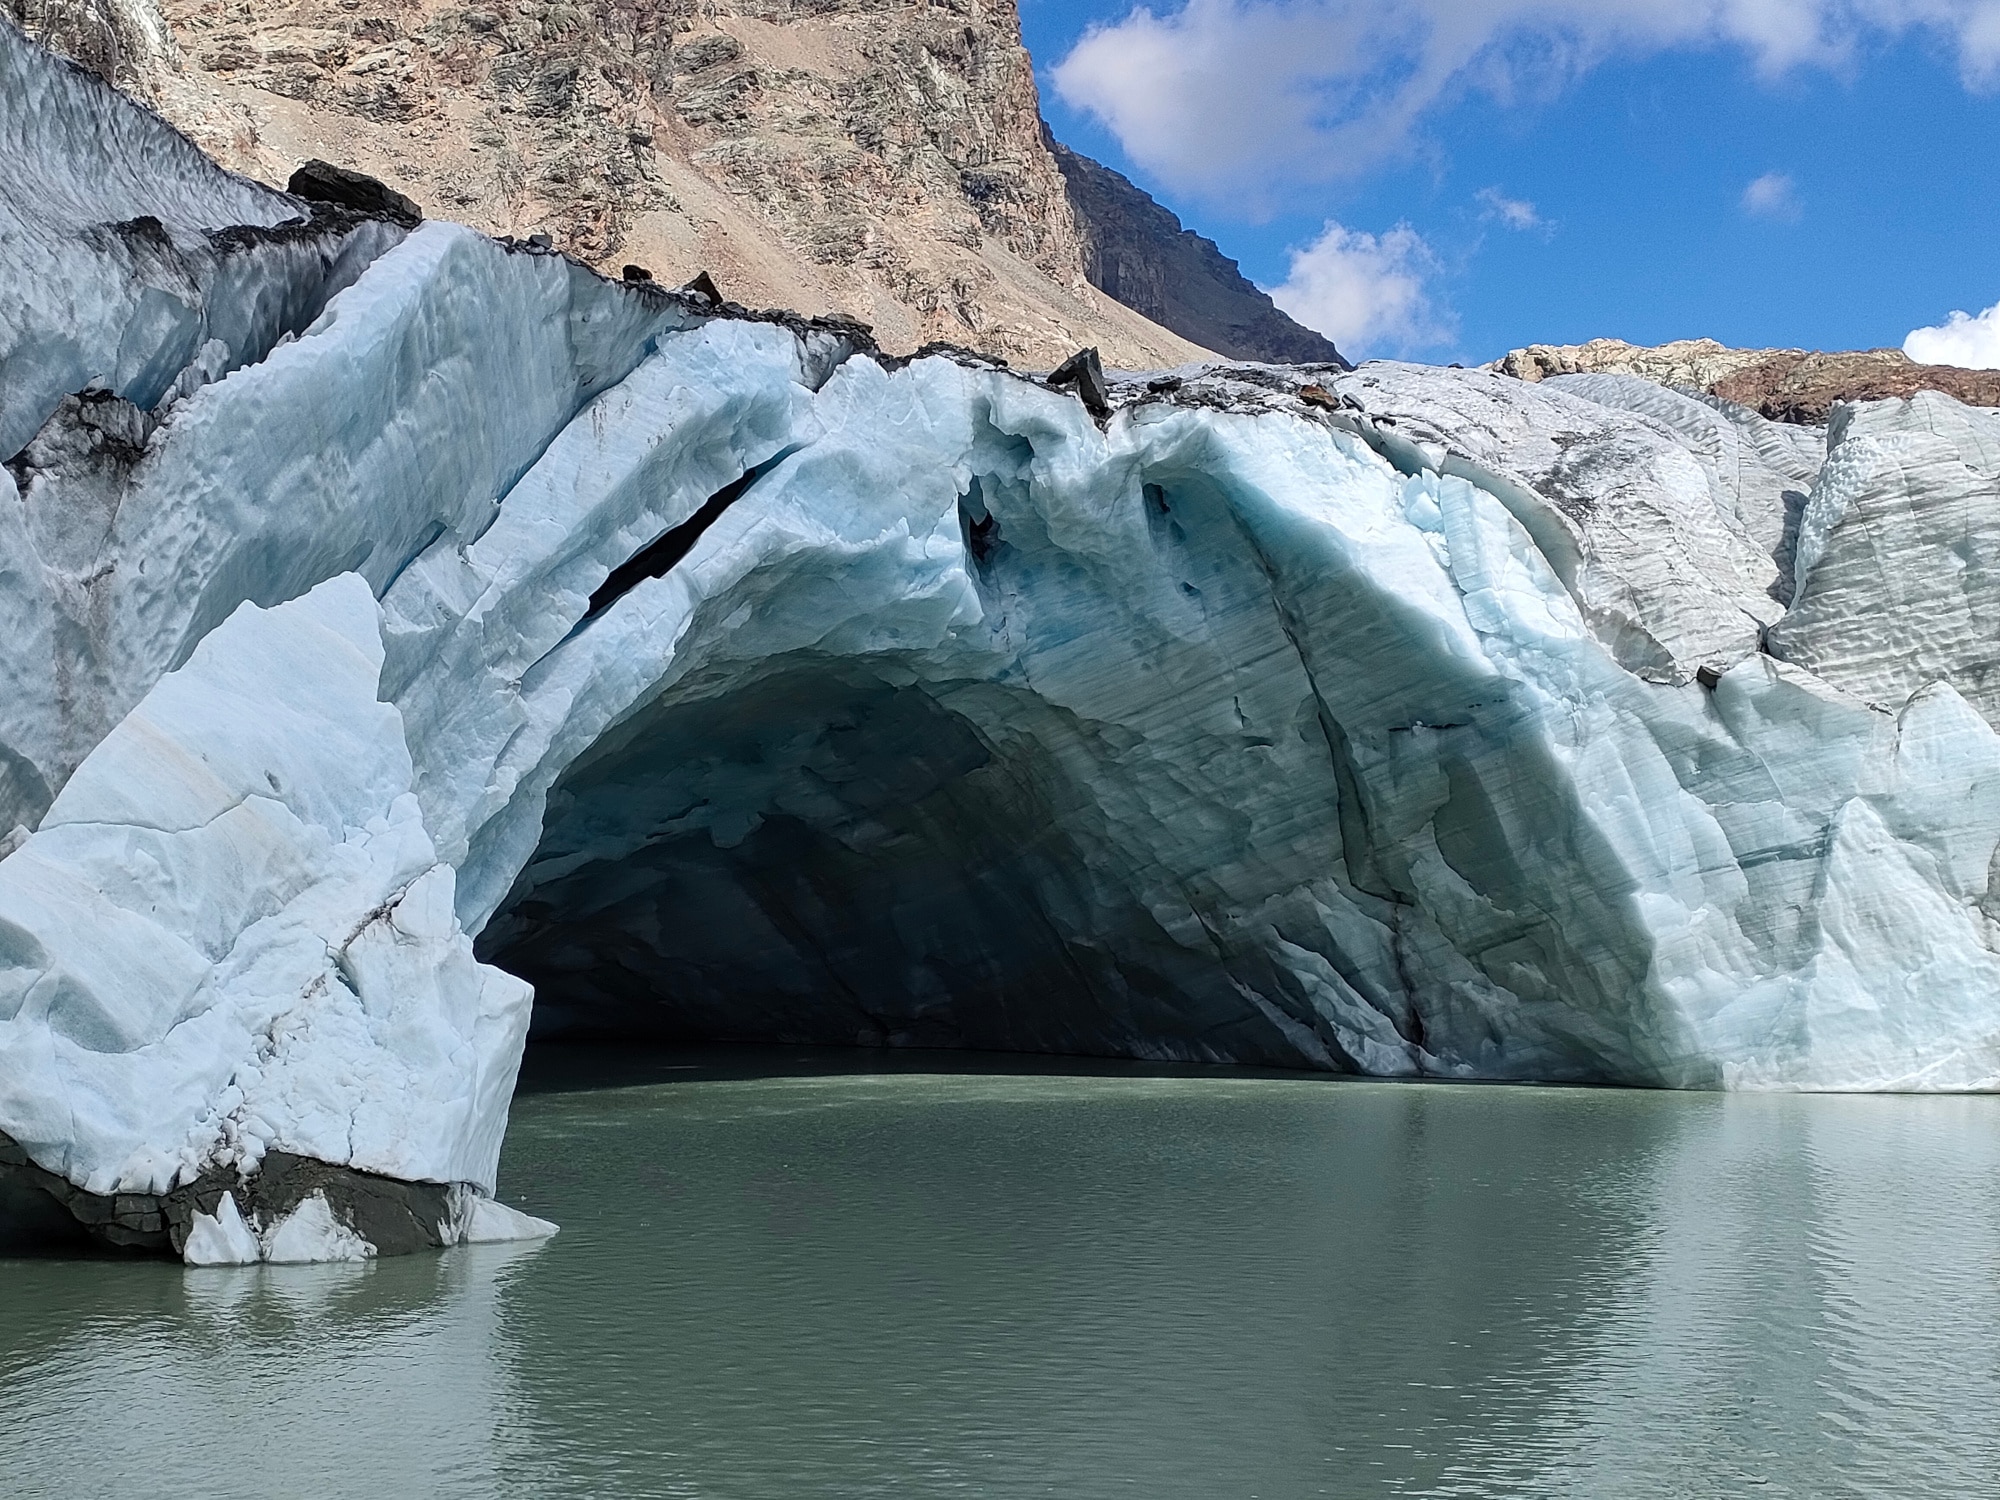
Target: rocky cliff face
[(1785, 385), (1136, 251), (880, 160)]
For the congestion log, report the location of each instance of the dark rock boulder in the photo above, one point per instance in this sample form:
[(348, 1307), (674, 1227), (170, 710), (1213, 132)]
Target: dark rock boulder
[(323, 182), (1083, 372)]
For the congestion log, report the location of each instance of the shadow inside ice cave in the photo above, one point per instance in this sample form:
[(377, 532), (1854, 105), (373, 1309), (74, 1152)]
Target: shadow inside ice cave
[(834, 855)]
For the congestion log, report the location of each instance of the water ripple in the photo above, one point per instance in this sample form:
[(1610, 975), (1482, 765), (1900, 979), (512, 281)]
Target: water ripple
[(931, 1284)]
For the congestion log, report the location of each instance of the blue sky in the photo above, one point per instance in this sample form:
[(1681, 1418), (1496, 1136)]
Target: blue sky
[(1568, 172)]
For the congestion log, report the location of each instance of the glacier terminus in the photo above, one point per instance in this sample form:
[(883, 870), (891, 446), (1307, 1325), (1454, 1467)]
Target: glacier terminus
[(407, 631)]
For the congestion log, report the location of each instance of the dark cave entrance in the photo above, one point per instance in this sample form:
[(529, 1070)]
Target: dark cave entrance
[(838, 854)]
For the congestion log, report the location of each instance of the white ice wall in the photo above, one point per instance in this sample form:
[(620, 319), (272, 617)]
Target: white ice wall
[(1438, 725)]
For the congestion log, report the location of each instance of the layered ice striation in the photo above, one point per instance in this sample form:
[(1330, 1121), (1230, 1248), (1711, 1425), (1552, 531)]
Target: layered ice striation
[(723, 679)]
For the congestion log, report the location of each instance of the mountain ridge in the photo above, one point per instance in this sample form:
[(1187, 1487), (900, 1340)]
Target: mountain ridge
[(1136, 250)]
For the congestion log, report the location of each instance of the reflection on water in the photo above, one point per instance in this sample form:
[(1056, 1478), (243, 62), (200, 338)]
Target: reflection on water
[(1122, 1284), (139, 1378)]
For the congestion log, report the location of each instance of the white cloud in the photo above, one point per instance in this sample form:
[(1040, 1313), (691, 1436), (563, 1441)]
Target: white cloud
[(1364, 291), (1961, 340), (1515, 213), (1234, 98), (1772, 196)]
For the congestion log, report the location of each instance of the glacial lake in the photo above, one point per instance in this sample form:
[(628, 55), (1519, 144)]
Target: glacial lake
[(787, 1276)]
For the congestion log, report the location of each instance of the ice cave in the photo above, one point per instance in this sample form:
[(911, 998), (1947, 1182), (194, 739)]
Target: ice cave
[(413, 637)]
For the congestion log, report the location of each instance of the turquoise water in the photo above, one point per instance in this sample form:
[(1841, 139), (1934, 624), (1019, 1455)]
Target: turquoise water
[(925, 1283)]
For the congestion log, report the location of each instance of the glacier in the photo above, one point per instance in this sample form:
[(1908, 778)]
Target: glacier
[(410, 635)]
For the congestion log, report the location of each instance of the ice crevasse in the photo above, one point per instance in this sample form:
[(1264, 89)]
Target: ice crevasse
[(406, 631)]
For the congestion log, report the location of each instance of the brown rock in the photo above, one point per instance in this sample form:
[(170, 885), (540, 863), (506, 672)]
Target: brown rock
[(1803, 388), (1690, 363), (1785, 385)]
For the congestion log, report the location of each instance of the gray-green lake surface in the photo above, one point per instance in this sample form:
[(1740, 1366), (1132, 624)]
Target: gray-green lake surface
[(905, 1280)]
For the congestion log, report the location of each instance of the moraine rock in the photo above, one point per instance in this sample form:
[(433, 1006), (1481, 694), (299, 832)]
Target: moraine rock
[(1687, 363), (1783, 385), (1805, 388), (718, 676)]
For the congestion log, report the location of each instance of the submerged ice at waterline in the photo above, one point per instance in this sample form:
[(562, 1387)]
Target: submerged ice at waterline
[(399, 620)]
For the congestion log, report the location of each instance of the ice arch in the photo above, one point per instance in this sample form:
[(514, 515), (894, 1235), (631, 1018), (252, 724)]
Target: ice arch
[(874, 778), (783, 691), (469, 617)]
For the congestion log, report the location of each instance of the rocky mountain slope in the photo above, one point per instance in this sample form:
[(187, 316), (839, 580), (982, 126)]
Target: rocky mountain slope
[(884, 161), (1134, 249), (1786, 385)]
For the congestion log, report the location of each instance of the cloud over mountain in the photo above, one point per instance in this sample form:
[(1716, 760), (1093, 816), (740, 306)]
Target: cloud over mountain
[(1366, 292), (1961, 339)]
